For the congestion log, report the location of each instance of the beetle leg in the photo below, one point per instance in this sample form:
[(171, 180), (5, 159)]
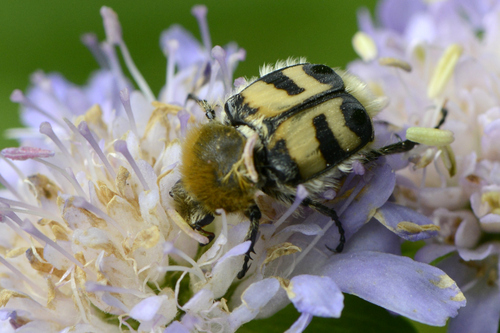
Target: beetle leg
[(254, 215), (198, 226), (331, 213), (395, 148), (209, 111), (402, 146)]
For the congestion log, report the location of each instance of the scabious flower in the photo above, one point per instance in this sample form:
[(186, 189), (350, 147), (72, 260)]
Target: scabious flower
[(91, 243), (446, 54)]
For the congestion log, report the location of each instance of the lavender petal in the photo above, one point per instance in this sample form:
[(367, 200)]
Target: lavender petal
[(418, 291)]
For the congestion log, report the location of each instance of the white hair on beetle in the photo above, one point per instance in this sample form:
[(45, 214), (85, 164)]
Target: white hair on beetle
[(291, 61), (357, 88), (269, 68), (353, 85)]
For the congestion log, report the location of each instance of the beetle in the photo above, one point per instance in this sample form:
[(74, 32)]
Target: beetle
[(299, 123)]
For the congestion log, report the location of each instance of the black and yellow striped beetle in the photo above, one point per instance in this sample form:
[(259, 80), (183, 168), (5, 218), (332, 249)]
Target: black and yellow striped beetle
[(297, 124)]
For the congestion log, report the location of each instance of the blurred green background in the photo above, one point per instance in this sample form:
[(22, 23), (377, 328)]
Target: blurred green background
[(46, 35)]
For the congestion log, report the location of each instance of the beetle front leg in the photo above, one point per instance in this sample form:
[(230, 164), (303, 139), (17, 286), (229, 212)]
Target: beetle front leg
[(198, 226), (209, 111), (254, 215)]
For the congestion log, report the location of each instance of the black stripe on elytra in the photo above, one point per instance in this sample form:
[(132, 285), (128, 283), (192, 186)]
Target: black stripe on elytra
[(328, 144), (236, 110), (357, 119), (281, 164), (282, 82), (274, 122), (324, 74)]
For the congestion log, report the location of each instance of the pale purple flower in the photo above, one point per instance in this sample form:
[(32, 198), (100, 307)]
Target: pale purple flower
[(452, 49), (91, 231)]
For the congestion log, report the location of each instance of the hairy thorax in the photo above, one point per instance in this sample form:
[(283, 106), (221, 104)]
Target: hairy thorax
[(213, 168)]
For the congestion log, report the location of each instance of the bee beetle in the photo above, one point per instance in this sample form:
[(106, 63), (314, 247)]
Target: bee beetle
[(297, 124)]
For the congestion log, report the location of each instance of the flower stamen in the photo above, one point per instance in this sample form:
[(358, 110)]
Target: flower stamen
[(82, 140), (234, 58), (214, 70), (91, 42), (18, 96), (114, 34), (46, 129), (125, 98), (300, 195), (28, 227), (97, 287), (171, 48), (85, 132), (19, 173), (24, 205), (183, 116), (121, 147), (114, 64), (177, 289), (63, 280), (34, 212), (14, 226), (115, 302), (19, 275), (77, 299), (169, 248), (395, 62), (65, 174), (200, 13), (10, 188), (219, 55)]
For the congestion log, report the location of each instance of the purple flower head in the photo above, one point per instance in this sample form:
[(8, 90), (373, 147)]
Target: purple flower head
[(448, 47)]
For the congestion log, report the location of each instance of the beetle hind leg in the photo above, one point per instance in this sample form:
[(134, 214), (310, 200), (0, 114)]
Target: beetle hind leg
[(254, 215), (331, 213), (401, 146)]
